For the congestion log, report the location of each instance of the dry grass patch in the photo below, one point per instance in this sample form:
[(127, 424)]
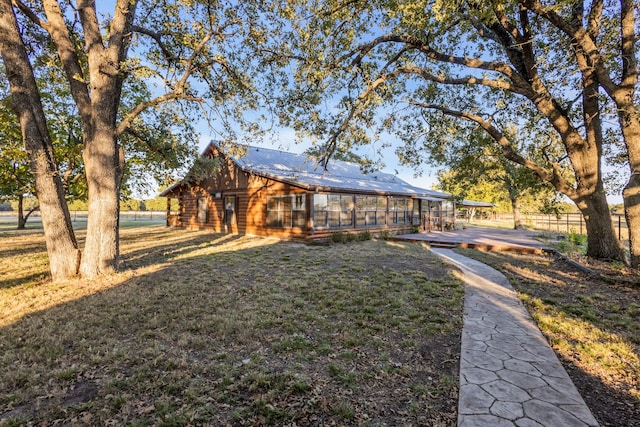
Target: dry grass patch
[(593, 326), (202, 328)]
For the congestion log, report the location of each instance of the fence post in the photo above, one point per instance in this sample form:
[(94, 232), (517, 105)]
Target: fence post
[(619, 227)]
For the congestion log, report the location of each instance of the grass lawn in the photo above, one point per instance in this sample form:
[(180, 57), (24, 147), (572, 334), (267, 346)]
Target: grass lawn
[(202, 328)]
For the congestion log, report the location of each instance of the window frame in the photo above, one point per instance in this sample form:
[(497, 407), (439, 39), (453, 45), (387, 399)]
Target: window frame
[(334, 212), (287, 215)]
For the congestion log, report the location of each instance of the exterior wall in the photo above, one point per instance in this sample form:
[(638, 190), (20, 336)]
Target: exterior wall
[(253, 207), (249, 193)]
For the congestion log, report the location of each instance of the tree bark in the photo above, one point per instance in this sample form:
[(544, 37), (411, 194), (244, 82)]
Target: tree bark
[(62, 247), (517, 222), (630, 125), (629, 119), (631, 200), (101, 251), (599, 229), (21, 219)]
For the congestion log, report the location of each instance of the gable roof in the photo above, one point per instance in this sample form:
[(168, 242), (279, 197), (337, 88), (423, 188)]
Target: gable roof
[(304, 171)]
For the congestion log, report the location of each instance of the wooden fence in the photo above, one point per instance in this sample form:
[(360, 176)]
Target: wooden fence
[(565, 223)]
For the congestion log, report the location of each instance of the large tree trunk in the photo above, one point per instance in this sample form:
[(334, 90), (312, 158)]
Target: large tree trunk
[(631, 194), (602, 242), (21, 219), (101, 251), (62, 248), (515, 206), (631, 199), (624, 95), (629, 119), (103, 160)]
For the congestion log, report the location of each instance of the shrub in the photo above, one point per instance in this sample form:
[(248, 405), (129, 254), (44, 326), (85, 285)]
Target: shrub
[(384, 235), (365, 235), (342, 237), (577, 239), (339, 237)]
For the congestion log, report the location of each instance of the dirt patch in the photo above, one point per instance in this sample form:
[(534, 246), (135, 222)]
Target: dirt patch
[(81, 392)]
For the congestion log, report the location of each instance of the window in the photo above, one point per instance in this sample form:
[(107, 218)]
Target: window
[(202, 209), (400, 210), (320, 210), (416, 212), (370, 210), (332, 210), (286, 211)]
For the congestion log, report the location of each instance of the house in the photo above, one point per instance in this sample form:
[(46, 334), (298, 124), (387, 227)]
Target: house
[(274, 193)]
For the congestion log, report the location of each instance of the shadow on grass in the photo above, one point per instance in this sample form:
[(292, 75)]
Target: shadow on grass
[(266, 334)]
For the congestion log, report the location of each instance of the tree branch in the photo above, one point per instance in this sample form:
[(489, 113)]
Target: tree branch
[(157, 37), (627, 48), (89, 21), (468, 80), (519, 82), (357, 107), (554, 176), (127, 120), (69, 58), (29, 13), (582, 38)]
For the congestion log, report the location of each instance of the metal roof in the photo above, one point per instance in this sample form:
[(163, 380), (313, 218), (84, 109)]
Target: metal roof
[(304, 171), (473, 203)]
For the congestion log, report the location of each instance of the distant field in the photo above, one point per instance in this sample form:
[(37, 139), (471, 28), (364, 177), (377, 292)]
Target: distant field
[(9, 220)]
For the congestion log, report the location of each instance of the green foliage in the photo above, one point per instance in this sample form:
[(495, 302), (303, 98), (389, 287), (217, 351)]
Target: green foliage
[(384, 235), (15, 173), (573, 243), (477, 170), (417, 69), (577, 239), (78, 205), (342, 237)]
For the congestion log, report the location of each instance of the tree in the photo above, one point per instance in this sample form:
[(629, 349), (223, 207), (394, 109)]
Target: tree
[(16, 177), (493, 64), (479, 171), (193, 52), (62, 247), (15, 174)]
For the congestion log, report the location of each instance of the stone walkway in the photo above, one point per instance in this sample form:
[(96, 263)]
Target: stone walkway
[(509, 376)]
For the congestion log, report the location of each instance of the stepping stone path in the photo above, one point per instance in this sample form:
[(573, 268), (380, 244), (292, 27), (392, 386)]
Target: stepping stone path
[(509, 375)]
